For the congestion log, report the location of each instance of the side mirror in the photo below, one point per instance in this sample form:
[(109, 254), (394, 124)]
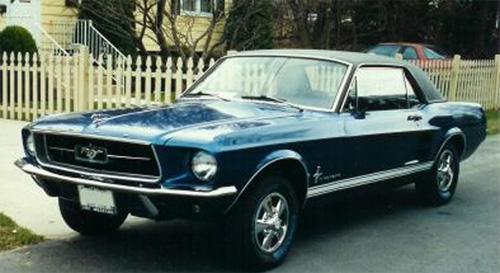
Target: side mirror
[(359, 114)]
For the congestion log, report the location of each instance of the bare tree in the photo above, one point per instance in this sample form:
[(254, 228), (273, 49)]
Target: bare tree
[(117, 19), (174, 30)]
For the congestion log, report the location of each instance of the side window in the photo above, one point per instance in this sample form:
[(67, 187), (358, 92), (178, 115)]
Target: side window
[(386, 50), (410, 54), (433, 54), (381, 88), (412, 97)]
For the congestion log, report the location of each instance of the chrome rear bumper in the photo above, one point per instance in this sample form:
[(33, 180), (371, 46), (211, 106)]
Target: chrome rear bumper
[(41, 173)]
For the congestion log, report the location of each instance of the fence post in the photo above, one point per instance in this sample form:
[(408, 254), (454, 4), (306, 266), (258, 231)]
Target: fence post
[(496, 102), (83, 83), (455, 69)]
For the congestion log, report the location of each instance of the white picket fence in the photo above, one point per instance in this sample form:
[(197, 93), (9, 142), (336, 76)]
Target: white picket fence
[(34, 86), (466, 80)]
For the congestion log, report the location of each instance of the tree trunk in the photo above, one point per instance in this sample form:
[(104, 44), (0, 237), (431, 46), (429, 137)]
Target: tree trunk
[(498, 26), (300, 19)]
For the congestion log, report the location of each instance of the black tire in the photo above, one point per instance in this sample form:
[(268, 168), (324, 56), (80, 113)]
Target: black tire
[(430, 190), (245, 244), (87, 222)]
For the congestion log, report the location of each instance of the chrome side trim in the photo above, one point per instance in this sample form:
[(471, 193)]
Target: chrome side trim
[(367, 179), (36, 171), (259, 171)]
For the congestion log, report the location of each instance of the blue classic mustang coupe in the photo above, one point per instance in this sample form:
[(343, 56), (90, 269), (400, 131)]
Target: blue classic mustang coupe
[(252, 141)]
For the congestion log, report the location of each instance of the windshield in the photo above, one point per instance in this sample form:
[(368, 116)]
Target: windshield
[(303, 82)]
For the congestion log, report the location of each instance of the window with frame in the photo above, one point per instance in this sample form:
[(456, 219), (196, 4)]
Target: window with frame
[(381, 88), (198, 6), (73, 3)]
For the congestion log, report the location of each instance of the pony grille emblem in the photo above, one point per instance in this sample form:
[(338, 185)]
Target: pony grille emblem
[(91, 154)]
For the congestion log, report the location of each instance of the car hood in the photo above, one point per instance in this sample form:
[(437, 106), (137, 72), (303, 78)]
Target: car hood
[(157, 125)]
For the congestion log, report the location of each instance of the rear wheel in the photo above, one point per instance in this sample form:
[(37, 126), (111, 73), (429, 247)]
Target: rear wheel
[(438, 186), (262, 226), (88, 222)]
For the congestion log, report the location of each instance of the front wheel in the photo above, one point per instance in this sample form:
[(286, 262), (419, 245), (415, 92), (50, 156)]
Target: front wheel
[(88, 222), (437, 187), (262, 226)]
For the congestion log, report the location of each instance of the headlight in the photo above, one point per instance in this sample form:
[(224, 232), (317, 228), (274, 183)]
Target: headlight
[(203, 166), (30, 144)]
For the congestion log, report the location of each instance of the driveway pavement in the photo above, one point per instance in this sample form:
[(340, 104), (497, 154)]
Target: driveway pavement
[(380, 233)]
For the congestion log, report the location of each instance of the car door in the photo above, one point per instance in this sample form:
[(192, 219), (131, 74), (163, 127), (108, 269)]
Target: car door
[(381, 120)]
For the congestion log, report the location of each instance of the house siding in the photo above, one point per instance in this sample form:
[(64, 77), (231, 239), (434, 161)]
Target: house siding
[(197, 25), (3, 22), (53, 11)]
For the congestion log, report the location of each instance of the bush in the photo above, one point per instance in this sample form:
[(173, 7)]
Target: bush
[(17, 39)]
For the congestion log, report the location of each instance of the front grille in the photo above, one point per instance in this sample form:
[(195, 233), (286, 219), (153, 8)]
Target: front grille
[(118, 158)]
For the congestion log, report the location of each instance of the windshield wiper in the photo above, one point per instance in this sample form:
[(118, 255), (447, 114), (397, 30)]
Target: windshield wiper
[(272, 99), (201, 93)]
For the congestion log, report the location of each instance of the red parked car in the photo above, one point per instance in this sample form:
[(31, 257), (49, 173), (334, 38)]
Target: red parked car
[(410, 51)]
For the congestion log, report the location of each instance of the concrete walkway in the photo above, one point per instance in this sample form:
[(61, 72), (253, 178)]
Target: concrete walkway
[(20, 198)]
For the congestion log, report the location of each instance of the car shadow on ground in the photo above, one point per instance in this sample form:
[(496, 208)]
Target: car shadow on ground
[(182, 246)]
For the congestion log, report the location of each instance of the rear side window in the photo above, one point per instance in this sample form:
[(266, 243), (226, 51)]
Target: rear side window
[(386, 50), (382, 88), (410, 54), (433, 54)]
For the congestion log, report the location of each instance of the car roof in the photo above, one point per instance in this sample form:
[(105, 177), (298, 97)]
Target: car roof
[(402, 44), (354, 58)]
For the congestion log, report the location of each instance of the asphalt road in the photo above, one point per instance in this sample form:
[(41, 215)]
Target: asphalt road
[(381, 233)]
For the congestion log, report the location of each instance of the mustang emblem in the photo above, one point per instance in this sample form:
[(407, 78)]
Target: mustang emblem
[(98, 117), (91, 154)]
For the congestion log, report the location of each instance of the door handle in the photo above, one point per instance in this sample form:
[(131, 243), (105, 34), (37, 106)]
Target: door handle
[(414, 117)]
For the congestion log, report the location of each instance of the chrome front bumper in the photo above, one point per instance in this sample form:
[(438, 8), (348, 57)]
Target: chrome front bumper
[(41, 173)]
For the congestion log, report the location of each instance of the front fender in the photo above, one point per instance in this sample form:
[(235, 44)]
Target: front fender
[(276, 156), (267, 162)]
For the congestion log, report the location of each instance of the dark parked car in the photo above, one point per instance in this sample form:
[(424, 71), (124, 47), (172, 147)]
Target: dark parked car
[(410, 51), (252, 141)]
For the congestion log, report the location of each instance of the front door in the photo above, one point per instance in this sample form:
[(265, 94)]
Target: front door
[(26, 13), (384, 130)]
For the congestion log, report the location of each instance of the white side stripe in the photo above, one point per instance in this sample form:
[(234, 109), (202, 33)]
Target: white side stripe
[(367, 179)]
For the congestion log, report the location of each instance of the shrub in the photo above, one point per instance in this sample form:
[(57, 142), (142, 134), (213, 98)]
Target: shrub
[(17, 39)]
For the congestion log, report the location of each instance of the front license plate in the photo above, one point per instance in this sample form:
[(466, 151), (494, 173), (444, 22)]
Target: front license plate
[(97, 200)]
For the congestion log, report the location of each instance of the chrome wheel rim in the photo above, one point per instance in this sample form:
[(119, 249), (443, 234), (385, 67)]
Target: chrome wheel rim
[(271, 222), (445, 173)]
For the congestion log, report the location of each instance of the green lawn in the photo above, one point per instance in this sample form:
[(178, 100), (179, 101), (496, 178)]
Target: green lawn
[(493, 121), (13, 236)]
